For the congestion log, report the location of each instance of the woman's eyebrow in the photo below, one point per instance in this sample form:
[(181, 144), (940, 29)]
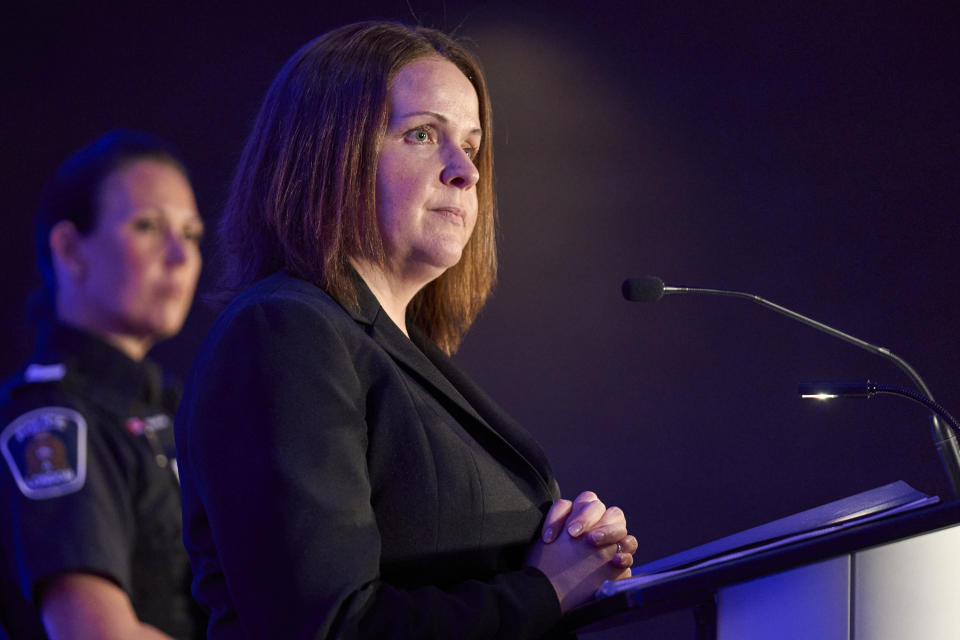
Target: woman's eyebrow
[(442, 118)]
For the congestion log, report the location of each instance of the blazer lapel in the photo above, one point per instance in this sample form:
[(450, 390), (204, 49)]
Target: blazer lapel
[(465, 401), (506, 428), (470, 406)]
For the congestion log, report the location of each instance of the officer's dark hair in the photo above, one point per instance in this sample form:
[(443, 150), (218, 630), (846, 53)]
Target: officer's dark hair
[(73, 193), (303, 195)]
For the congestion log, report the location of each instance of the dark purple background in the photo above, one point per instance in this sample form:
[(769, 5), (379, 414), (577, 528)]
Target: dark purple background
[(805, 153)]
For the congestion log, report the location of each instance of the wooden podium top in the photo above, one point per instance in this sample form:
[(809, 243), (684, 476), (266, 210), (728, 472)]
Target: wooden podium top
[(698, 586)]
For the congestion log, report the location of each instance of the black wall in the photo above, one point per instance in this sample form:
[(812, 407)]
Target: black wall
[(802, 151)]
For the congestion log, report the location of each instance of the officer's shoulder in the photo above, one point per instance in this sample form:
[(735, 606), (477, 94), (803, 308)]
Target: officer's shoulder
[(37, 385), (40, 378)]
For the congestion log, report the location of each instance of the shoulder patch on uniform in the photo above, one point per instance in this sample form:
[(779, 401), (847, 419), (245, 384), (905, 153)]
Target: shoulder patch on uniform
[(45, 372), (46, 450)]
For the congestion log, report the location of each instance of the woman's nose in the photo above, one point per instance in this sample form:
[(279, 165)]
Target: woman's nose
[(459, 170), (176, 248)]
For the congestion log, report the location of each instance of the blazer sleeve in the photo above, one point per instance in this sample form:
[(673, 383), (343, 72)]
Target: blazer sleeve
[(276, 452)]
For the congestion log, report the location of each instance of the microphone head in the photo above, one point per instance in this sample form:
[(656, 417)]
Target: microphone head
[(644, 289)]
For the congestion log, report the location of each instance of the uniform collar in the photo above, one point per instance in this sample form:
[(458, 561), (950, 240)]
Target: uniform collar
[(98, 361)]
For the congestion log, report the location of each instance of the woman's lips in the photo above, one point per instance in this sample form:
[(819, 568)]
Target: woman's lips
[(454, 214), (171, 290)]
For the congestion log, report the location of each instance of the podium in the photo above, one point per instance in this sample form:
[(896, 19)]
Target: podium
[(889, 579)]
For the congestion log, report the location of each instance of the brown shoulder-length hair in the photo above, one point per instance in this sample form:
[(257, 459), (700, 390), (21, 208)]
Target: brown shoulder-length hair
[(303, 196)]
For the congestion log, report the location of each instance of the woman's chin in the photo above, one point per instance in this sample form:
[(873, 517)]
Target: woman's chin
[(154, 330), (444, 257)]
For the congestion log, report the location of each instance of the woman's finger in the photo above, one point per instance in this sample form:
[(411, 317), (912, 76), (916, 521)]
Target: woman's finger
[(625, 550), (587, 511), (556, 516), (585, 497), (611, 527)]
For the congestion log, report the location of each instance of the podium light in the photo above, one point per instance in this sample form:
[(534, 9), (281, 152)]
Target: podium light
[(867, 389)]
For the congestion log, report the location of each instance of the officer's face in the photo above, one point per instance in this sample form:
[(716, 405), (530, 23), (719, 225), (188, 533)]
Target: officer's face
[(143, 256), (426, 179)]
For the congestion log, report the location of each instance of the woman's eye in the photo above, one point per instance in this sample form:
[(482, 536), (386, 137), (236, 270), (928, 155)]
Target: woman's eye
[(193, 235), (471, 152), (146, 224), (420, 135)]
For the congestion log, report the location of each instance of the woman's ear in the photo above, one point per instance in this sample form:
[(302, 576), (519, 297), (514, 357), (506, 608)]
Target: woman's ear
[(68, 260)]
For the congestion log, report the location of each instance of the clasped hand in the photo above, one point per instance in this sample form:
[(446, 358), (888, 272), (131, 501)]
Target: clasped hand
[(582, 545)]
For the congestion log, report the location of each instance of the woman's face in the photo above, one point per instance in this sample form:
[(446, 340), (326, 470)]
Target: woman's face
[(142, 259), (426, 179)]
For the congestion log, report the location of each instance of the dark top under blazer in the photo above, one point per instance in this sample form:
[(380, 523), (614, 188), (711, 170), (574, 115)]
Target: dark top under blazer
[(341, 480)]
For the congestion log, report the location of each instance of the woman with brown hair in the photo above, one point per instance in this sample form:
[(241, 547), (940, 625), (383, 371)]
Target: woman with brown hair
[(91, 532), (341, 477)]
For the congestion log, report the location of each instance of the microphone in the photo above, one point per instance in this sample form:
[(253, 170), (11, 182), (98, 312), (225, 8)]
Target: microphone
[(645, 289), (652, 288)]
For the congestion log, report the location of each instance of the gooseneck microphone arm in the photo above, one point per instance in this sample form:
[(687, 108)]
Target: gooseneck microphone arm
[(828, 390), (882, 351), (651, 289)]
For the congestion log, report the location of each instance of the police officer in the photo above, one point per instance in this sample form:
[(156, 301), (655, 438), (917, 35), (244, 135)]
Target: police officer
[(89, 491)]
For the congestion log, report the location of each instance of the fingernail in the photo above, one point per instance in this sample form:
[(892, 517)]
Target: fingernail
[(575, 529), (596, 537), (548, 535)]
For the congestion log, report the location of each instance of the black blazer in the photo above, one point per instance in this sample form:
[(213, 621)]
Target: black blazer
[(341, 480)]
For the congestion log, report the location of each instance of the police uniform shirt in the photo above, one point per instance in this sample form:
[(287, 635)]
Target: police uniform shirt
[(88, 483)]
